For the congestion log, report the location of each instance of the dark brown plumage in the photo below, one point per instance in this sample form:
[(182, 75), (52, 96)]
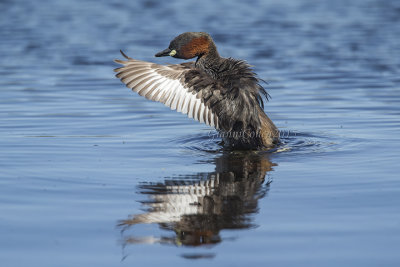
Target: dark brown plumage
[(222, 92)]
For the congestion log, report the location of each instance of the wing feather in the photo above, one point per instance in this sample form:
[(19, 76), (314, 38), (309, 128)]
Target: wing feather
[(165, 84), (200, 113)]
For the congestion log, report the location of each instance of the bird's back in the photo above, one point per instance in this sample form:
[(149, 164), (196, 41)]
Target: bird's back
[(237, 99)]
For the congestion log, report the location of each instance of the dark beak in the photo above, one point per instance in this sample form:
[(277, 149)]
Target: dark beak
[(163, 53)]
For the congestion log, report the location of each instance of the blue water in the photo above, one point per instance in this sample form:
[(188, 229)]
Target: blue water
[(95, 175)]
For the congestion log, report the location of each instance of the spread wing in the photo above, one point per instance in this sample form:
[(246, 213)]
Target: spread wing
[(168, 85)]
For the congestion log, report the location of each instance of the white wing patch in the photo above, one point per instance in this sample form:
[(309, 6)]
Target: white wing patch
[(163, 84)]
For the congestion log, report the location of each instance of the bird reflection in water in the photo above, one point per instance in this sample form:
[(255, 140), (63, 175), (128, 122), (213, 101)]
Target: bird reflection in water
[(198, 207)]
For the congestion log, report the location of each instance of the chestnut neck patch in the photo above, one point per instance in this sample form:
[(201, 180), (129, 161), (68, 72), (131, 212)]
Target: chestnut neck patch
[(196, 47)]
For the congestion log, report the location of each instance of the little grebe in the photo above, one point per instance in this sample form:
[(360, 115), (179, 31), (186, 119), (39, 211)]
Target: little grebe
[(221, 92)]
